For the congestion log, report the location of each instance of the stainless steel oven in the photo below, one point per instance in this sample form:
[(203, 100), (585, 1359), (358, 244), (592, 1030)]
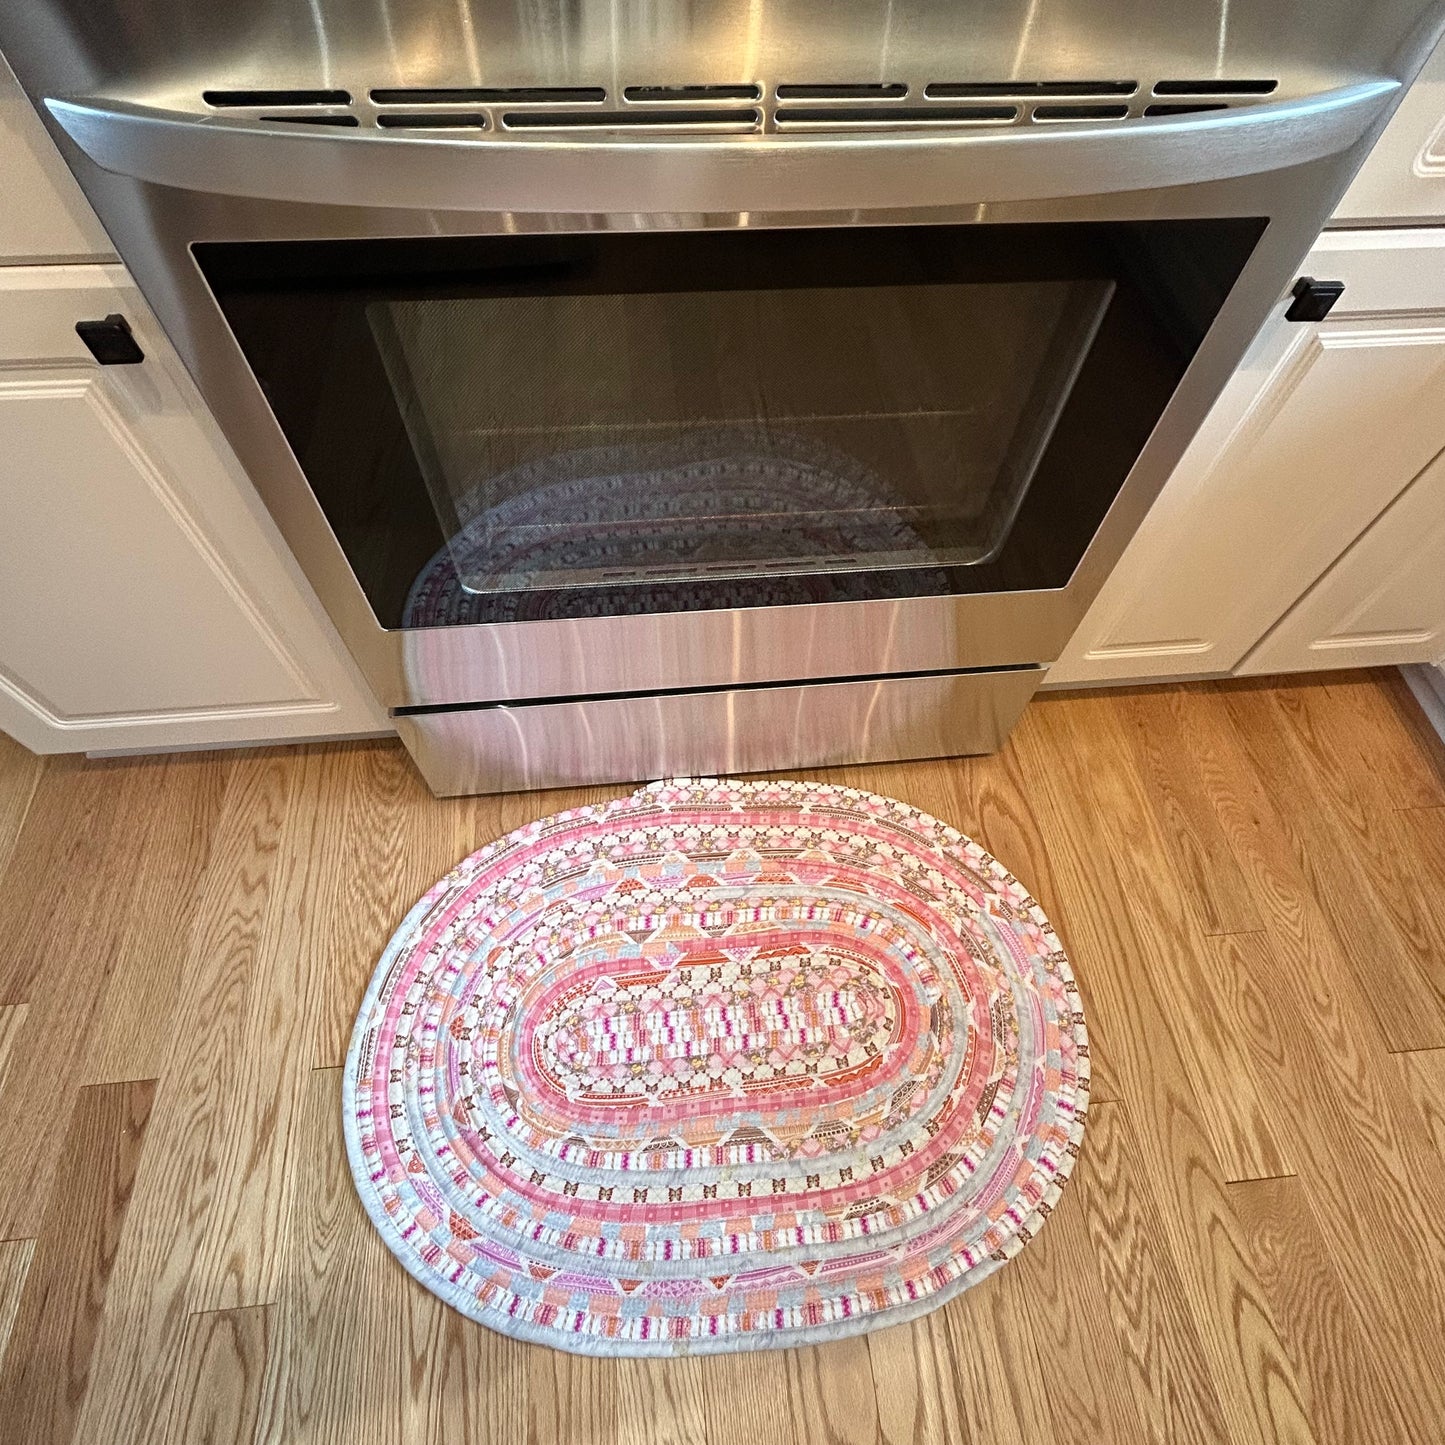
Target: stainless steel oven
[(714, 386)]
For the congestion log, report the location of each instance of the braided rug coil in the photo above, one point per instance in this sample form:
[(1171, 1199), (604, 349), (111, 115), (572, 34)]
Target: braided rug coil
[(716, 1066)]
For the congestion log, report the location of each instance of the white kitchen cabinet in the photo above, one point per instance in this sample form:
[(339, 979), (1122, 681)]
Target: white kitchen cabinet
[(145, 600), (44, 216), (1382, 602), (1324, 426), (1403, 177)]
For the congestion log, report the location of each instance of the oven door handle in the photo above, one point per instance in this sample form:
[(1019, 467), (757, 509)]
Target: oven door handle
[(361, 166)]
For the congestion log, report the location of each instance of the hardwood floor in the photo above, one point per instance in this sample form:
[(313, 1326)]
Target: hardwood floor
[(1250, 879)]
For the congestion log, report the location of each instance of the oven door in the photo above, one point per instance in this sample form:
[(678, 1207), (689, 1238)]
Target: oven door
[(561, 428), (550, 415)]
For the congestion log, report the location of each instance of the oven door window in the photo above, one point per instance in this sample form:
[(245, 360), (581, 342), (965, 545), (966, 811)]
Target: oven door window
[(516, 427)]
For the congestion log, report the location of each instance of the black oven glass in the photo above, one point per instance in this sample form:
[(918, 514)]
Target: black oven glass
[(516, 427)]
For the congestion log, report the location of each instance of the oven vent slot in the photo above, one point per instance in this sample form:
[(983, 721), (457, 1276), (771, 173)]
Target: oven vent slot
[(1216, 87), (1026, 89), (433, 120), (651, 94), (349, 122), (1186, 107), (222, 98), (712, 119), (514, 95), (1081, 112), (881, 116), (877, 90)]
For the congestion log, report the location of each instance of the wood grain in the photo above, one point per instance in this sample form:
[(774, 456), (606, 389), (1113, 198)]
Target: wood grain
[(1249, 880), (1366, 1159), (133, 1036), (831, 1389), (1343, 1379), (48, 1361), (996, 1364), (67, 904), (1424, 1080), (1090, 1394), (1335, 842), (12, 1021), (191, 1163), (15, 1257), (1147, 1303), (659, 1402), (336, 1374), (19, 774), (218, 1378), (747, 1399), (1074, 758), (1157, 723)]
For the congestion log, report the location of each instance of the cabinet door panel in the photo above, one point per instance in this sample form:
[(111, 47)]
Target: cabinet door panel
[(112, 601), (1382, 602), (1319, 432), (146, 600)]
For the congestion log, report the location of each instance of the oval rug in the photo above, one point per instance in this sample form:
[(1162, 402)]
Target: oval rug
[(717, 1066)]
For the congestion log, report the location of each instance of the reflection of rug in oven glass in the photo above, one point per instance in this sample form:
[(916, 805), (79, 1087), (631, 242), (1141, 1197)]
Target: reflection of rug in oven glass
[(703, 508)]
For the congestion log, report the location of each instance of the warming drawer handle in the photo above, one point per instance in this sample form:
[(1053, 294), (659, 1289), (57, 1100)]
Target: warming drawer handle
[(359, 166)]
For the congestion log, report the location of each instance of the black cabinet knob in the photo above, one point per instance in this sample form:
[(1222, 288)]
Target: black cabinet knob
[(110, 341), (1314, 300)]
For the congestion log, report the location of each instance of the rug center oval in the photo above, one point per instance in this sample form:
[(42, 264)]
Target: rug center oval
[(789, 1019)]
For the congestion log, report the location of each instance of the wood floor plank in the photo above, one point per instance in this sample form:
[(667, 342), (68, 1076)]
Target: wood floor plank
[(1411, 876), (335, 1372), (134, 1030), (1147, 1303), (660, 1402), (1009, 829), (67, 903), (912, 1370), (1343, 1382), (1157, 723), (12, 1020), (1398, 853), (376, 845), (469, 1383), (1364, 1158), (19, 775), (15, 1257), (292, 951), (62, 866), (571, 1398), (47, 1365), (184, 1176), (1001, 1395), (1331, 834), (831, 1388), (1162, 941), (747, 1399), (1380, 748), (1424, 1081), (218, 1380), (1090, 1393), (1075, 762)]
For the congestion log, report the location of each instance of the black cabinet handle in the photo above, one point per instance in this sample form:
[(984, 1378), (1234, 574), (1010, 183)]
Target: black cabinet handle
[(110, 341), (1314, 300)]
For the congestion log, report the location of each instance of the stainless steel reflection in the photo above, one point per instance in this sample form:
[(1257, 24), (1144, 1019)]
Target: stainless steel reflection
[(809, 172), (632, 739), (167, 170)]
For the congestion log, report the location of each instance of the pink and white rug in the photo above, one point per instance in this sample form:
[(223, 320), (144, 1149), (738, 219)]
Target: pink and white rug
[(717, 1066)]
